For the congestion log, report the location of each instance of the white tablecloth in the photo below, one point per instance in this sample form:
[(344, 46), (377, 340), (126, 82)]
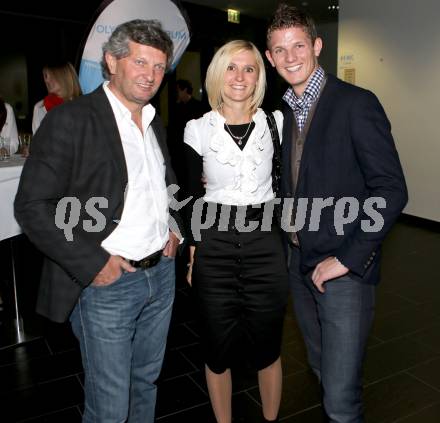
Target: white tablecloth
[(10, 171)]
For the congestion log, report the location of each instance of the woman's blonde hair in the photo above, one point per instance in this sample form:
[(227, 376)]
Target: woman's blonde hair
[(216, 71), (66, 76)]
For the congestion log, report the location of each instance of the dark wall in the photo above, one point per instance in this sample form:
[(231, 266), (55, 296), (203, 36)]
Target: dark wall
[(40, 36), (211, 30)]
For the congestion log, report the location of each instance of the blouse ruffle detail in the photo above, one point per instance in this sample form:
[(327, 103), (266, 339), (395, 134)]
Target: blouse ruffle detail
[(244, 161)]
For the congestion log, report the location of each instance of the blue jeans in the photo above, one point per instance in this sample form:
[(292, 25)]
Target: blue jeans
[(122, 330), (335, 326)]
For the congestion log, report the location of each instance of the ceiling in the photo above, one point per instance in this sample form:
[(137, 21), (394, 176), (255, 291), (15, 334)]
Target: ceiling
[(83, 10), (263, 9)]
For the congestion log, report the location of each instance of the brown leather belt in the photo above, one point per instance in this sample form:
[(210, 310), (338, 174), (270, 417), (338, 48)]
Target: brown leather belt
[(148, 261)]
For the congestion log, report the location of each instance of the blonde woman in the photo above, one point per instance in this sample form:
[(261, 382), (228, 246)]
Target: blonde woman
[(62, 85), (238, 276)]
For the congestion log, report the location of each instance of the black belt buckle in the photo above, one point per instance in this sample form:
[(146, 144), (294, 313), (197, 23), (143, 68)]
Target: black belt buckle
[(149, 261)]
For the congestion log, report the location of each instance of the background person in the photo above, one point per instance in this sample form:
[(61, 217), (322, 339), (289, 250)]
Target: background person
[(185, 109), (239, 278), (115, 282), (62, 85), (336, 143)]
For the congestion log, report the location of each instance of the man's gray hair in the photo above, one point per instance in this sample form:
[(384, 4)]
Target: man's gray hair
[(146, 32)]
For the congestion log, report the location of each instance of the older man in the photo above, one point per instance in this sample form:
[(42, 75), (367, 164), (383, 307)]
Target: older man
[(112, 272)]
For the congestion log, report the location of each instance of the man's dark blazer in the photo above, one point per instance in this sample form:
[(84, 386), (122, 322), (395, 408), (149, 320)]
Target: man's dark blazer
[(348, 152), (77, 152)]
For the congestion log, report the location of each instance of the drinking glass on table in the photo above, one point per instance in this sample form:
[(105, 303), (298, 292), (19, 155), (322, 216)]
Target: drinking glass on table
[(25, 140), (5, 148)]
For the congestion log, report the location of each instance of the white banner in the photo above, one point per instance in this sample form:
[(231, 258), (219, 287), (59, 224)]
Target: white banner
[(120, 11)]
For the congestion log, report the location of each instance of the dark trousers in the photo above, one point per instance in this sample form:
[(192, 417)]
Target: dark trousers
[(335, 326)]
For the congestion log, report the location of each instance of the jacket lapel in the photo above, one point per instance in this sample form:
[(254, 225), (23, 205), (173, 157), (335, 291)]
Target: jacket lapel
[(286, 149), (160, 135), (110, 132), (159, 131), (312, 141)]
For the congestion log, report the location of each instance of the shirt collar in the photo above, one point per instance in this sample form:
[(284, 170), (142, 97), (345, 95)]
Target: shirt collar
[(309, 95), (148, 111)]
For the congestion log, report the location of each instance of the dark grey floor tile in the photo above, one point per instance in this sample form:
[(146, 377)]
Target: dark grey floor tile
[(60, 337), (409, 237), (80, 377), (201, 413), (428, 372), (9, 338), (25, 374), (180, 335), (373, 341), (394, 356), (193, 353), (421, 288), (389, 303), (397, 397), (300, 391), (245, 409), (200, 380), (71, 415), (403, 322), (24, 352), (427, 415), (414, 278), (178, 394), (243, 378), (183, 309), (297, 350), (416, 237), (312, 415), (291, 331), (291, 365), (175, 364), (429, 337), (193, 326), (41, 399), (433, 305)]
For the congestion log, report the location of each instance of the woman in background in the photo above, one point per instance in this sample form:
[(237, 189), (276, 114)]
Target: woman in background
[(62, 85), (239, 278)]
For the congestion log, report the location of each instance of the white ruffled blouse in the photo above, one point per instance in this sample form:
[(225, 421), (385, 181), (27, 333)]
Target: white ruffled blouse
[(234, 176)]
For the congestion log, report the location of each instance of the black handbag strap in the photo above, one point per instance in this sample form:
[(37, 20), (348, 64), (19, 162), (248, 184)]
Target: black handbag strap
[(276, 160)]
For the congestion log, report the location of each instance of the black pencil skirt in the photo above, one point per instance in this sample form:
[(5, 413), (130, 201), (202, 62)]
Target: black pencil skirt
[(241, 289)]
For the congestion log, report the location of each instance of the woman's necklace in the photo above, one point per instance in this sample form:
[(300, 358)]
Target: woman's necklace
[(238, 139)]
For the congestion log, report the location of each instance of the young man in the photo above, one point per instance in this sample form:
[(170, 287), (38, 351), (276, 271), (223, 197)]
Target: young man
[(337, 152), (112, 273)]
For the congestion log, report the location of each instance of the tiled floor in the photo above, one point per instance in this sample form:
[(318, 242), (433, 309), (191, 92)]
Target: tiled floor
[(41, 381)]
